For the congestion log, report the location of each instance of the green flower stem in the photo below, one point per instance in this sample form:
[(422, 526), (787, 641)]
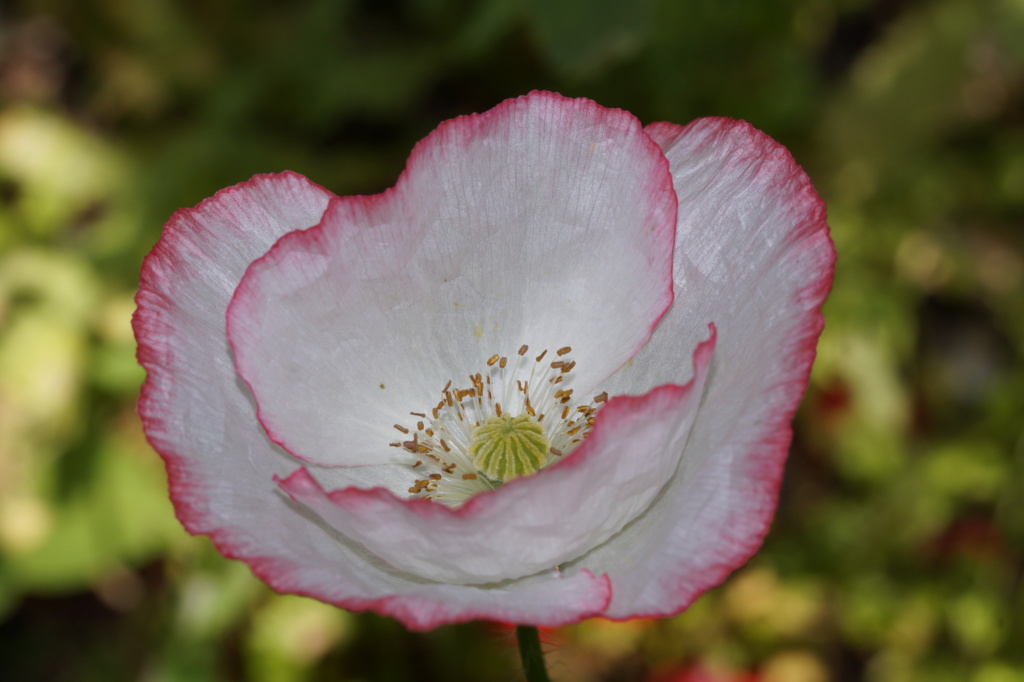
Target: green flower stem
[(533, 657)]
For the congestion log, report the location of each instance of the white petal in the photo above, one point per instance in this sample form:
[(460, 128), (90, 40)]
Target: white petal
[(545, 221), (754, 256)]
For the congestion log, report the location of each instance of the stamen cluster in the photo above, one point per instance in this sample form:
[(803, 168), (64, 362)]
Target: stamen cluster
[(449, 446)]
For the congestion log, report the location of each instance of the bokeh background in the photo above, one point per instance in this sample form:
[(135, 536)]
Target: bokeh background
[(898, 550)]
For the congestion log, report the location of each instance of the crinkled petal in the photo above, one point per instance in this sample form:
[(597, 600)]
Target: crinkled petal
[(544, 221), (754, 255), (533, 524), (221, 466)]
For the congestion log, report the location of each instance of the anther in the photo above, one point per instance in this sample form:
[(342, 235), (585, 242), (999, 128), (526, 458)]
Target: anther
[(563, 350)]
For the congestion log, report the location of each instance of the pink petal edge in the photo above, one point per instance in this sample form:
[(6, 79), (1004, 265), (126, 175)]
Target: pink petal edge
[(418, 610)]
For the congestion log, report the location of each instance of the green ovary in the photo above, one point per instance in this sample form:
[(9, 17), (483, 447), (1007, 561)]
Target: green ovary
[(507, 447)]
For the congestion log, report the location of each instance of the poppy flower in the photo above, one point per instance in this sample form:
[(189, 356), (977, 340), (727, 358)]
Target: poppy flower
[(548, 375)]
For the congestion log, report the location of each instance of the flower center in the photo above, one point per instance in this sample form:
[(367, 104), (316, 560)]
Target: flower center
[(507, 447), (511, 420)]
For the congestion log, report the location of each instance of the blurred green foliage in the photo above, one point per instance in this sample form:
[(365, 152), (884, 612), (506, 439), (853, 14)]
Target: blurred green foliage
[(898, 550)]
